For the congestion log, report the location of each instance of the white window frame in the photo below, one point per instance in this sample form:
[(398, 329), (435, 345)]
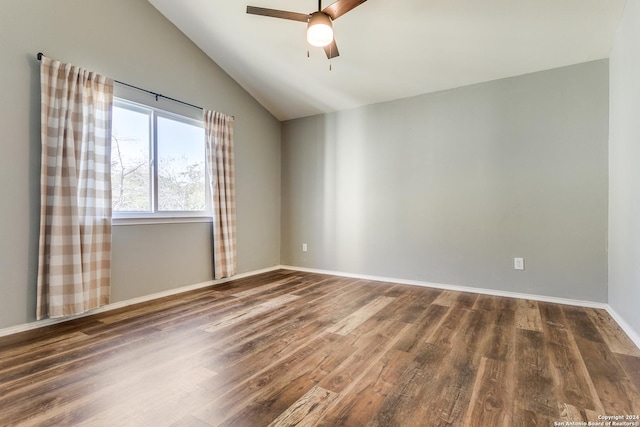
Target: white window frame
[(154, 215)]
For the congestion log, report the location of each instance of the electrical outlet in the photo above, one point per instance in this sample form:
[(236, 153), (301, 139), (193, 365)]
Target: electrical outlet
[(304, 247), (518, 263)]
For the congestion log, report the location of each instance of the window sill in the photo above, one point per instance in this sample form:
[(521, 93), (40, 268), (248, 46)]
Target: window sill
[(116, 222)]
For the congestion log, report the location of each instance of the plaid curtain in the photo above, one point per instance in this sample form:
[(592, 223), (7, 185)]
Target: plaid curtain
[(218, 130), (74, 268)]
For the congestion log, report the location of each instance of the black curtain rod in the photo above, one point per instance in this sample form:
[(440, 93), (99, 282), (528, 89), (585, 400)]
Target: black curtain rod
[(157, 95)]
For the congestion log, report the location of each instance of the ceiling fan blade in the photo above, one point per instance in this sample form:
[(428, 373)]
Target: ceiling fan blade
[(282, 14), (331, 49), (339, 8)]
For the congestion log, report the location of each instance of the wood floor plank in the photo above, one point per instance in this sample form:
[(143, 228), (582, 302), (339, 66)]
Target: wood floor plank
[(297, 348), (190, 421), (364, 398), (535, 401), (243, 316), (84, 400), (418, 304), (42, 348), (499, 317), (443, 392), (424, 326), (616, 391), (54, 367), (265, 288), (527, 418), (571, 378), (528, 316), (580, 323), (144, 310), (145, 400), (249, 360), (572, 414), (446, 298), (274, 344), (277, 345), (488, 405), (307, 410), (414, 388), (631, 366), (234, 286), (459, 373), (257, 400), (349, 323), (287, 321), (450, 325), (612, 334), (370, 346)]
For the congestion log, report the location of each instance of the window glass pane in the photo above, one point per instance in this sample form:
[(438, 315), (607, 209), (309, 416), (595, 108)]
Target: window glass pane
[(181, 169), (130, 168)]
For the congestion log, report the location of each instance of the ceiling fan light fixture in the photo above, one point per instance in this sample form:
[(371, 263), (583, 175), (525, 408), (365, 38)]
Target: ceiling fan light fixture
[(319, 29)]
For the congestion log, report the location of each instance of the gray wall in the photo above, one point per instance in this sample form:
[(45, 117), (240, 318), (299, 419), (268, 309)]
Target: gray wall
[(130, 41), (624, 170), (449, 187)]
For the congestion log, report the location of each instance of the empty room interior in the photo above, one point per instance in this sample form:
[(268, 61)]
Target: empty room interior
[(429, 218)]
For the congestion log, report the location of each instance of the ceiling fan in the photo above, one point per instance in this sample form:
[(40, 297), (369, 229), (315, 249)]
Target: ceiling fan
[(319, 24)]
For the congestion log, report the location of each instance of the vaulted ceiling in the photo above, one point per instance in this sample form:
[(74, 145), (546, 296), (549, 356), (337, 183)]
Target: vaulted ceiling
[(391, 49)]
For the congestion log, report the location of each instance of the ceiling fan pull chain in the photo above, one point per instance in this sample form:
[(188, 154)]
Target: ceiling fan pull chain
[(307, 53)]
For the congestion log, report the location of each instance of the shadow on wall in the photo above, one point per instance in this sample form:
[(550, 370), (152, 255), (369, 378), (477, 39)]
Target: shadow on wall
[(324, 192), (450, 187), (34, 184)]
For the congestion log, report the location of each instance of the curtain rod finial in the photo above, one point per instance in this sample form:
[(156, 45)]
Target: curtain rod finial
[(39, 56)]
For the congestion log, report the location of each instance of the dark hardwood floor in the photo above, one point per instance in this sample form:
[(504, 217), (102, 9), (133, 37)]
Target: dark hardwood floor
[(290, 348)]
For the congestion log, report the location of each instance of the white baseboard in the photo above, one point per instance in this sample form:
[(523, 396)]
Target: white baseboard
[(633, 335), (482, 291), (47, 322)]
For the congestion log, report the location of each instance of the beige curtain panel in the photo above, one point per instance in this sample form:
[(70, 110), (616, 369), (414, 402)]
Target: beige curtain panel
[(219, 148), (75, 223)]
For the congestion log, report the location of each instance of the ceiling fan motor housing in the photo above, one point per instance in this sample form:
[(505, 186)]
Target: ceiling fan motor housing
[(319, 29)]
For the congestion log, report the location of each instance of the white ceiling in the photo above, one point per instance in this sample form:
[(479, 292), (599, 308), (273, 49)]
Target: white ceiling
[(392, 49)]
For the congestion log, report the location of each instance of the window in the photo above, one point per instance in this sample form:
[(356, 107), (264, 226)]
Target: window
[(157, 163)]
